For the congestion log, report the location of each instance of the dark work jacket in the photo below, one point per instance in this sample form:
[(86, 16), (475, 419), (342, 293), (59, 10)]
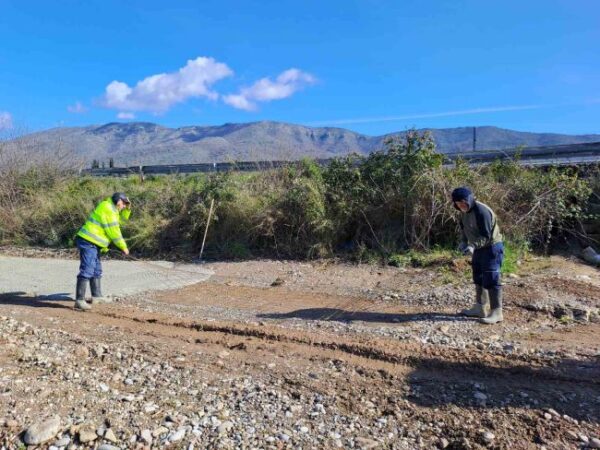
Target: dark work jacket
[(479, 226)]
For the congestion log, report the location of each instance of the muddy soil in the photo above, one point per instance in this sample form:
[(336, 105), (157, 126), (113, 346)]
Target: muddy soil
[(270, 354)]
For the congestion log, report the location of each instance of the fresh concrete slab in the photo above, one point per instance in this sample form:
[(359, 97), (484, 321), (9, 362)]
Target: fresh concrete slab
[(55, 278)]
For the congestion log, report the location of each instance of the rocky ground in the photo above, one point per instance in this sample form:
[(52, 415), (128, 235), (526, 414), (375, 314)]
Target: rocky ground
[(278, 355)]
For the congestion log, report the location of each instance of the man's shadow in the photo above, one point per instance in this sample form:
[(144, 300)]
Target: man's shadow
[(40, 301), (341, 315)]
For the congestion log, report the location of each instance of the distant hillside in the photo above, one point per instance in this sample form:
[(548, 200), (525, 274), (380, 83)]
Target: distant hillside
[(148, 143)]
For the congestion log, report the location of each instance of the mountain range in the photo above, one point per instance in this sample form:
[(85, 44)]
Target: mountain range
[(148, 143)]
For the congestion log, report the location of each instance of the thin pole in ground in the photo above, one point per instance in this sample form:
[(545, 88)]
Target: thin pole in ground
[(210, 212)]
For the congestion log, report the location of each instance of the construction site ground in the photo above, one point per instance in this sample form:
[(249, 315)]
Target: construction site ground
[(283, 354)]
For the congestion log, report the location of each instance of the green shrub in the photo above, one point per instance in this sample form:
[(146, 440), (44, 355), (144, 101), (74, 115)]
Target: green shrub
[(391, 206)]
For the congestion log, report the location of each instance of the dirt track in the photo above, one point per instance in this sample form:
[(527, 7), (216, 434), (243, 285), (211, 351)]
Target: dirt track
[(332, 356)]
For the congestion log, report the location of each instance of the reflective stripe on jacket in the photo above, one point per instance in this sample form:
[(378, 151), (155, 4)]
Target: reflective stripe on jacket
[(103, 225)]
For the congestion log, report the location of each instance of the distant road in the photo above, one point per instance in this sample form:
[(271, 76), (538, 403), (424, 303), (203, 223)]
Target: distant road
[(555, 155)]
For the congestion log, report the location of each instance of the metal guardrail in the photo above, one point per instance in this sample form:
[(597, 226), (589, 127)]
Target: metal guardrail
[(171, 169), (557, 155)]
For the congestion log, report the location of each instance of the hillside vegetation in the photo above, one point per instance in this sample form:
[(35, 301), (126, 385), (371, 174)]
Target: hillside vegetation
[(379, 206)]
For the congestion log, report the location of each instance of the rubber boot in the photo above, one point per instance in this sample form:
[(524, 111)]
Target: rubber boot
[(496, 302), (96, 288), (80, 302), (481, 306)]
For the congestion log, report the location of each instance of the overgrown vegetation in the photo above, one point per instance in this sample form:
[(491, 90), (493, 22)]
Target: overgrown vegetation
[(390, 206)]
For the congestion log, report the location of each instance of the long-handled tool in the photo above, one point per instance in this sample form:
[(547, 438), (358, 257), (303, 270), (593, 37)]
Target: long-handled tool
[(210, 212)]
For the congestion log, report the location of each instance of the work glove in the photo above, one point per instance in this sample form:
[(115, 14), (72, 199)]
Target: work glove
[(469, 250), (104, 250)]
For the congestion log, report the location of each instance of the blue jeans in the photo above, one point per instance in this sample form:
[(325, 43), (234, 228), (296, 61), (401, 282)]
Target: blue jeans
[(89, 257), (486, 265)]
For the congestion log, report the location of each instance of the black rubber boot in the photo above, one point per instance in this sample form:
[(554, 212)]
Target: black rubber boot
[(80, 290), (496, 303), (96, 287), (481, 306)]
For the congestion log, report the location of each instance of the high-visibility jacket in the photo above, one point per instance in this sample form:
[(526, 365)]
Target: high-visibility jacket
[(103, 225)]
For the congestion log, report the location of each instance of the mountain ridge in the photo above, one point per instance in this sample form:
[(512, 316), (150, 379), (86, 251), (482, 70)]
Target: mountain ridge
[(150, 143)]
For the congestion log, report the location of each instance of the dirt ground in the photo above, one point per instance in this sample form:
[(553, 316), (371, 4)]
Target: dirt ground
[(279, 354)]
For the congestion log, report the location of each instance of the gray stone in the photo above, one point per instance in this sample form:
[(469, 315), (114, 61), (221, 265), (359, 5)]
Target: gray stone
[(63, 441), (110, 436), (225, 427), (43, 431), (594, 443), (177, 436), (488, 437), (146, 437), (108, 447), (87, 434)]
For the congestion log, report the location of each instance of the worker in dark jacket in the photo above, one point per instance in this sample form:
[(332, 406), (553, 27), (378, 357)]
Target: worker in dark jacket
[(481, 238)]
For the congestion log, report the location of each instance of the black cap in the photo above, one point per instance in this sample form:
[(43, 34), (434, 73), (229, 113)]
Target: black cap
[(119, 196), (461, 193)]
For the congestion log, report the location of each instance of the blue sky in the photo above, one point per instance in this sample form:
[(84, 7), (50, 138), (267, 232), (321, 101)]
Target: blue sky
[(370, 66)]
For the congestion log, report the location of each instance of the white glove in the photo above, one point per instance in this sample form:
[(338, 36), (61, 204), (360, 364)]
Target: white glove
[(469, 250)]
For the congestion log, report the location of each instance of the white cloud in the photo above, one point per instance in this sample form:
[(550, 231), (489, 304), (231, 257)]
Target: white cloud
[(239, 101), (158, 93), (6, 120), (265, 90), (126, 116), (77, 108)]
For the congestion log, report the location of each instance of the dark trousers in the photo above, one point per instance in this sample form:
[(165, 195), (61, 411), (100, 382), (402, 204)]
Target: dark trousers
[(90, 265), (486, 265)]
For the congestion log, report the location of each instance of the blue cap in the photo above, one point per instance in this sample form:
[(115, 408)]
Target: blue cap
[(461, 193)]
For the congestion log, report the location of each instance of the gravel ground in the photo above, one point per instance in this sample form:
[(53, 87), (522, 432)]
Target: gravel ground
[(275, 355)]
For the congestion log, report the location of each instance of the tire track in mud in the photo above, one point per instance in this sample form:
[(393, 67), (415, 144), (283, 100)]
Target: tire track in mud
[(427, 359)]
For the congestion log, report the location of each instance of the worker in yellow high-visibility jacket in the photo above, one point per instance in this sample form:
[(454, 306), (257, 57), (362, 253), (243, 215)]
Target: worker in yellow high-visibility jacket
[(102, 227)]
